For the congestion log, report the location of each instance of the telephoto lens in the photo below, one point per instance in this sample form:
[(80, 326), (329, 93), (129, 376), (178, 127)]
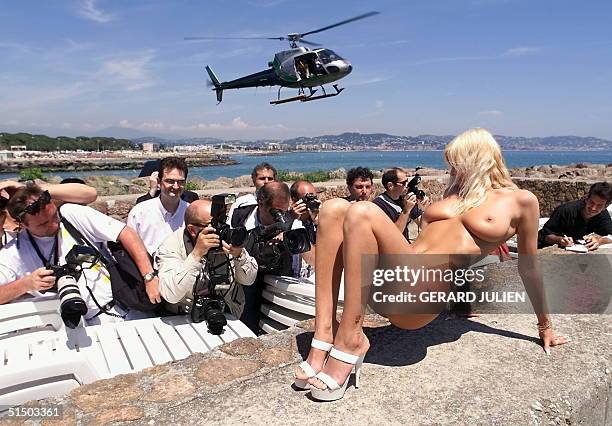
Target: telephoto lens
[(297, 241), (72, 305)]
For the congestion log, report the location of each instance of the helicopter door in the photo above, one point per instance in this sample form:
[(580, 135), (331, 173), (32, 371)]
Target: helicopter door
[(305, 66), (302, 70)]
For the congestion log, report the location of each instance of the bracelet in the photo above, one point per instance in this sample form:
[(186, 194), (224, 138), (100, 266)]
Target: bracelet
[(545, 326)]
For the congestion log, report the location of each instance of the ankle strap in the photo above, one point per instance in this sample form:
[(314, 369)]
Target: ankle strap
[(321, 345), (343, 356)]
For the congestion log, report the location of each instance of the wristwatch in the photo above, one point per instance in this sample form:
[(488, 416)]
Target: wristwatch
[(149, 277)]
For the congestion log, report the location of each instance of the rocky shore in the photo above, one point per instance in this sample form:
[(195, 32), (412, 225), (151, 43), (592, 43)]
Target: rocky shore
[(80, 164)]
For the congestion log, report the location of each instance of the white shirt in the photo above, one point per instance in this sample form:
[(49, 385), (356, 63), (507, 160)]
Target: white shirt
[(243, 200), (153, 223), (97, 228)]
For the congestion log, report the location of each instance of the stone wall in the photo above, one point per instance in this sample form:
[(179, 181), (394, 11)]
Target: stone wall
[(550, 193)]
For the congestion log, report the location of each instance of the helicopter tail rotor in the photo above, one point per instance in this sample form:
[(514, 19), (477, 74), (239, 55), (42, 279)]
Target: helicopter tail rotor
[(216, 83)]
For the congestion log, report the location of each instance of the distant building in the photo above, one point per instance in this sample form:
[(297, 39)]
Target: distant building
[(19, 148), (150, 147), (6, 155)]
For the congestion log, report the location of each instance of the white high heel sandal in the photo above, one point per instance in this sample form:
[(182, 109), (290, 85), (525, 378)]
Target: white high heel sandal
[(334, 391), (302, 384)]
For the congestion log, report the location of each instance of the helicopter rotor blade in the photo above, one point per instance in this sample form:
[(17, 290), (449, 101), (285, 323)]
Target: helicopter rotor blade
[(356, 18), (234, 38), (310, 43)]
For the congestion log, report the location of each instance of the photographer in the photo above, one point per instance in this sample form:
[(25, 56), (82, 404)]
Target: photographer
[(305, 207), (267, 224), (400, 201), (359, 182), (70, 191), (262, 173), (182, 260), (44, 242)]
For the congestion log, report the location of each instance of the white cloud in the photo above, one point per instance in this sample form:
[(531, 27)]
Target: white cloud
[(514, 52), (521, 51), (379, 106), (492, 112), (132, 74), (88, 10), (363, 80)]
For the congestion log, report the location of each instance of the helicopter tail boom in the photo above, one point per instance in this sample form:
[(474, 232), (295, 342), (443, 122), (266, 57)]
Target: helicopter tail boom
[(216, 83)]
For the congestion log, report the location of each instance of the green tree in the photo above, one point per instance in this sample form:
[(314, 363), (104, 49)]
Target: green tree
[(32, 174)]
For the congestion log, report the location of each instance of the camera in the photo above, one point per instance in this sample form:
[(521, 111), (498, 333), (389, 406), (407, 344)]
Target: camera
[(209, 309), (72, 305), (268, 251), (311, 201), (413, 186), (220, 204), (207, 304)]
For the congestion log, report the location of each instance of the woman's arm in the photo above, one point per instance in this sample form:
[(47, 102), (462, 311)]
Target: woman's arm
[(76, 193), (529, 267)]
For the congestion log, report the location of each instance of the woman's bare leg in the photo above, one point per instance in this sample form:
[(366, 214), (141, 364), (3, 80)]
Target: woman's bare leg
[(367, 230), (328, 267)]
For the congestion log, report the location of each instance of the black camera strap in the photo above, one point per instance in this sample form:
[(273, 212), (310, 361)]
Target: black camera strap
[(80, 239), (54, 254)]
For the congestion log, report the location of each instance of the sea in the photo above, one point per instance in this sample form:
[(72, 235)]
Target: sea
[(375, 160)]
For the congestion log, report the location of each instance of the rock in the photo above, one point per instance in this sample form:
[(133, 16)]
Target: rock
[(170, 388), (216, 371), (243, 346), (276, 356), (121, 414), (107, 393)]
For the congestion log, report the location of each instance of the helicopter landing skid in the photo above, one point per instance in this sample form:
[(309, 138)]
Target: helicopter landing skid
[(306, 98), (299, 97), (324, 95)]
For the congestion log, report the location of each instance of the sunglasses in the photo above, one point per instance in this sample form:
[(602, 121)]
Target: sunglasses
[(172, 182), (403, 183), (36, 206)]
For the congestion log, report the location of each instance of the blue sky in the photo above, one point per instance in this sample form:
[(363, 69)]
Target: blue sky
[(517, 67)]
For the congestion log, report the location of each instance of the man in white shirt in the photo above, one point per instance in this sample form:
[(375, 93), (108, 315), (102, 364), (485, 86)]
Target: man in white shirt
[(182, 257), (261, 174), (158, 217), (44, 241)]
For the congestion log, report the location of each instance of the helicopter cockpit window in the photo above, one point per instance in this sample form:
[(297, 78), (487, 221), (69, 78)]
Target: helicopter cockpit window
[(326, 56)]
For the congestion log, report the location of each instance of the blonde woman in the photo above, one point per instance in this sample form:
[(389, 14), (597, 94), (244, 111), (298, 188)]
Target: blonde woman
[(481, 209)]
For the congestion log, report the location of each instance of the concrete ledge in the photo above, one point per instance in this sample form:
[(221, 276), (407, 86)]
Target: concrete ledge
[(488, 370)]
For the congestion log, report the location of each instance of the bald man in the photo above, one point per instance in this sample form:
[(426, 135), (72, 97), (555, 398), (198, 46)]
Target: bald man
[(183, 256)]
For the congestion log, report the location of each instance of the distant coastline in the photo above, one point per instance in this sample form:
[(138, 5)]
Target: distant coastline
[(230, 165), (95, 164)]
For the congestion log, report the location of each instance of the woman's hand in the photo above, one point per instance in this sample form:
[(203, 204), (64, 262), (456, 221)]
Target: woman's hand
[(549, 339)]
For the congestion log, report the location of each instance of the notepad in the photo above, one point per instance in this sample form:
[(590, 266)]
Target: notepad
[(578, 248)]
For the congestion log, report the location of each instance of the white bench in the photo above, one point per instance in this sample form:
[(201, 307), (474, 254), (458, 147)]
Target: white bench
[(287, 301), (46, 359)]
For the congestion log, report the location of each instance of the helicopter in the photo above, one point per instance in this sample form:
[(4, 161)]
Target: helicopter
[(298, 68)]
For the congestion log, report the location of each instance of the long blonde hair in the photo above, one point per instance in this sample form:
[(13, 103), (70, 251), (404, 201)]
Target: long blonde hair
[(476, 159)]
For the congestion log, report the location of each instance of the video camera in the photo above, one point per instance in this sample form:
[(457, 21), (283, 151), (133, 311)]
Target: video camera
[(295, 241), (413, 186), (72, 305), (220, 205)]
